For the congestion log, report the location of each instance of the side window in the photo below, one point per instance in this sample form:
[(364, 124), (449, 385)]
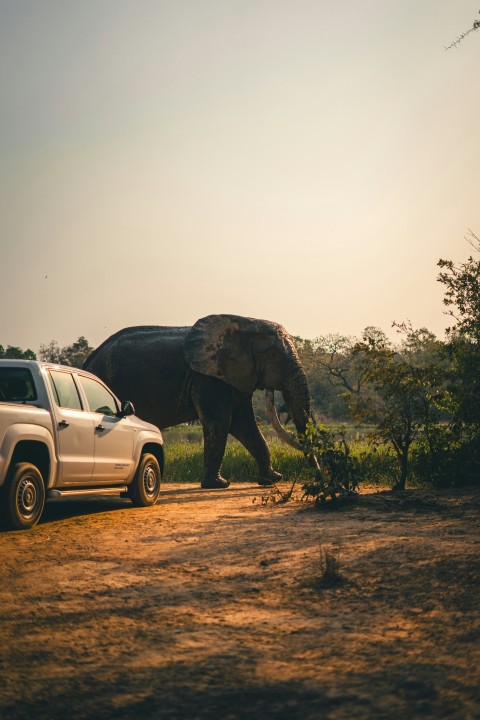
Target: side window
[(98, 397), (16, 385), (65, 390)]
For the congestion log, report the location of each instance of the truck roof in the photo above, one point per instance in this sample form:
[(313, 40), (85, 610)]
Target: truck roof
[(38, 364)]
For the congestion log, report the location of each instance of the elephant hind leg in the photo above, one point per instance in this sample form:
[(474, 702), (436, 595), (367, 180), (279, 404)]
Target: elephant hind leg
[(245, 429)]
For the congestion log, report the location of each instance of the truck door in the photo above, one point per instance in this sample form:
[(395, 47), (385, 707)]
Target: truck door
[(114, 436), (75, 431)]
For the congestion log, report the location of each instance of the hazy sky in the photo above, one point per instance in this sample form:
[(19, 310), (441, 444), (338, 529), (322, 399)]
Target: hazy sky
[(302, 161)]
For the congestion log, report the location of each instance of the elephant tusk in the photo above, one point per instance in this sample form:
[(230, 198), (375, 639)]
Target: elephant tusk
[(277, 425)]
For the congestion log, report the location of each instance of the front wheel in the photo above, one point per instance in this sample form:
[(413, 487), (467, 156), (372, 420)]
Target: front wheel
[(145, 487), (23, 497)]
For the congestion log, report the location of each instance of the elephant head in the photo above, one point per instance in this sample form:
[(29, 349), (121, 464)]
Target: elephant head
[(251, 354)]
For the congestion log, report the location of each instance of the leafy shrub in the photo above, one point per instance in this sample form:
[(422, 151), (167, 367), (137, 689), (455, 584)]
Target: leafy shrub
[(448, 456), (335, 478)]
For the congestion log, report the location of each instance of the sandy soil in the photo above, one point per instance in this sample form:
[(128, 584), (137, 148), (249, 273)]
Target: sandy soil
[(212, 605)]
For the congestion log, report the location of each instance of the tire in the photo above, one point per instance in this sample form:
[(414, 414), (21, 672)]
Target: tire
[(23, 497), (145, 487)]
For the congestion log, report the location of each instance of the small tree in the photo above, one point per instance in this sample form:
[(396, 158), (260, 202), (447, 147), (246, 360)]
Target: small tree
[(462, 293), (462, 298), (402, 398)]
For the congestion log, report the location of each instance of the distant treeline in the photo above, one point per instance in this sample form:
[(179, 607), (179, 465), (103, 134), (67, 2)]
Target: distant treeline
[(73, 355)]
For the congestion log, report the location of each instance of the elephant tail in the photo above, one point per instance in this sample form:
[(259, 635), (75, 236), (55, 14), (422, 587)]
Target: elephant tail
[(185, 397)]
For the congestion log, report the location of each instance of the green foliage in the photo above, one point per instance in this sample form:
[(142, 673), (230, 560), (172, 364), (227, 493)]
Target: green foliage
[(334, 371), (373, 463), (334, 467), (462, 298), (16, 353), (404, 390), (465, 380), (73, 355), (433, 456), (462, 293)]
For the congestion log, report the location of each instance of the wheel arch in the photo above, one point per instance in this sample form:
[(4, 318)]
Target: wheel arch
[(157, 450), (35, 452), (21, 439)]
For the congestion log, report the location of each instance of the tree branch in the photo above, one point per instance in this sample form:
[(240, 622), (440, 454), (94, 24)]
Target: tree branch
[(459, 39)]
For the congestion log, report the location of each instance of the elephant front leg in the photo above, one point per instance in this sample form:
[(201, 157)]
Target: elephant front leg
[(212, 400), (214, 442), (244, 427)]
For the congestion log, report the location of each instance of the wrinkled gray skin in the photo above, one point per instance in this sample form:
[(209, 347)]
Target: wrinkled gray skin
[(208, 371)]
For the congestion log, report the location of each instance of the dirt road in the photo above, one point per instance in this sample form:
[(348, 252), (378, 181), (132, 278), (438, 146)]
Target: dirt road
[(212, 605)]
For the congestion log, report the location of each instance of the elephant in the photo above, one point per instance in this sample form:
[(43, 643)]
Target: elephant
[(209, 371)]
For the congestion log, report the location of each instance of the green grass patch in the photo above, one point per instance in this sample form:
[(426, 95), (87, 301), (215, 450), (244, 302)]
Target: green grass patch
[(184, 459)]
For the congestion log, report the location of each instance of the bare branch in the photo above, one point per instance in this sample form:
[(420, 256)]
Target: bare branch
[(459, 39), (473, 240)]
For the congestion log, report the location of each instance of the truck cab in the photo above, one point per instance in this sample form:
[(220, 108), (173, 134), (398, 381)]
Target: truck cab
[(64, 433)]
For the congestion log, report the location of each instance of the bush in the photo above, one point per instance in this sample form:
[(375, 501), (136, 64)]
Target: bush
[(336, 476), (447, 457)]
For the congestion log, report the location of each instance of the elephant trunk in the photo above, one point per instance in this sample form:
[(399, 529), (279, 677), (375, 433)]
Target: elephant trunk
[(297, 399)]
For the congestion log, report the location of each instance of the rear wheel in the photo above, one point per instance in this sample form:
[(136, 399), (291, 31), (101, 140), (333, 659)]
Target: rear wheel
[(145, 487), (23, 497)]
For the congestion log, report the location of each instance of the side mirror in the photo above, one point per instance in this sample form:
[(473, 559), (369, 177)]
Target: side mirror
[(127, 409)]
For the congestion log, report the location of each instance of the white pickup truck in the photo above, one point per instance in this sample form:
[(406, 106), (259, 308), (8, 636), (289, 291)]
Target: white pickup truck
[(63, 433)]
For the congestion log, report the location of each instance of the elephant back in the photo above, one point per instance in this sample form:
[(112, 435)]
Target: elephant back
[(144, 364), (132, 344)]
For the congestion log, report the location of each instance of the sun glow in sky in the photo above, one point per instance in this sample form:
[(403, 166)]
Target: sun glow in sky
[(304, 161)]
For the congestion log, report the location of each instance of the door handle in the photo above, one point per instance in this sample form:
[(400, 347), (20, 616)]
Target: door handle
[(100, 428), (63, 423)]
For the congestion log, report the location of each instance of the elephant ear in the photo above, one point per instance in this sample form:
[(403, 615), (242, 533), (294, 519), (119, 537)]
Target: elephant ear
[(222, 346)]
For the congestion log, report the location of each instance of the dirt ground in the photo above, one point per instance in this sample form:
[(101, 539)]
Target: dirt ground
[(213, 605)]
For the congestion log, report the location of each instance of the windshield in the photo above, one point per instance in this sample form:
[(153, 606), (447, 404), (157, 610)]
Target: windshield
[(16, 385)]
